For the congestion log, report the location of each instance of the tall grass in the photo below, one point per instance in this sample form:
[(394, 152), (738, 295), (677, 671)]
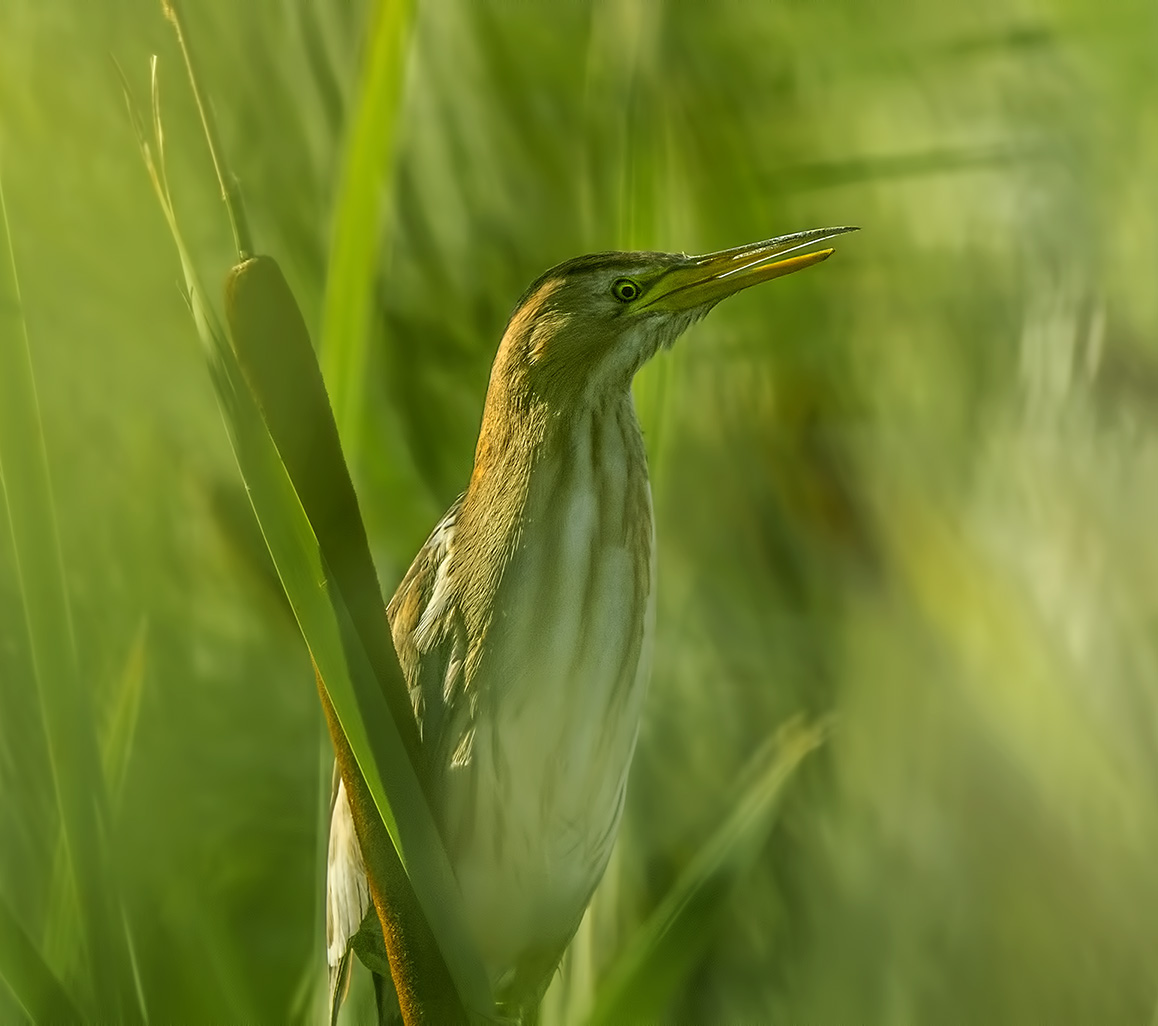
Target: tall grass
[(911, 488)]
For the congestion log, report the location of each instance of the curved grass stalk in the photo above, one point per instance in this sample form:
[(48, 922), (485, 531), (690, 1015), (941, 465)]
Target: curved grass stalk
[(331, 586)]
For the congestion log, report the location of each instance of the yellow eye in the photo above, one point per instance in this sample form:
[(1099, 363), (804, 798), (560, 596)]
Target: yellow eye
[(625, 290)]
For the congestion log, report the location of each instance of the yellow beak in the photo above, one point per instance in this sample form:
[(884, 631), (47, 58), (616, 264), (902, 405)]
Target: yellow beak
[(715, 276)]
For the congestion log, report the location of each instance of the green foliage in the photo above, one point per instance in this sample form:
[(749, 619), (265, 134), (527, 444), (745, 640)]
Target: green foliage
[(665, 949), (285, 441), (343, 623), (357, 234), (33, 984), (911, 487), (78, 781)]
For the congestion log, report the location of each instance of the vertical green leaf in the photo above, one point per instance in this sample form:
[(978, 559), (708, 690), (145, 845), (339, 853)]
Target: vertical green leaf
[(357, 223), (116, 743), (273, 349), (676, 934), (331, 583), (64, 702), (119, 734), (316, 592), (351, 683), (28, 977)]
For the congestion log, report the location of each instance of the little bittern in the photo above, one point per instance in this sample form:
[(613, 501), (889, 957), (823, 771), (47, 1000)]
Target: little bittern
[(524, 625)]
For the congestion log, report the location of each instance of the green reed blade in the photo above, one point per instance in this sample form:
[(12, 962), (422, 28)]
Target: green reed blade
[(32, 982), (358, 230), (116, 746), (120, 733), (666, 946), (316, 593), (275, 355), (64, 701)]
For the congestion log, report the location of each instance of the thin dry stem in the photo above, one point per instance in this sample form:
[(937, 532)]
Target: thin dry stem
[(230, 187)]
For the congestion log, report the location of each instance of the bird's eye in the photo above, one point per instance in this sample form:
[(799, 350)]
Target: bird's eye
[(625, 290)]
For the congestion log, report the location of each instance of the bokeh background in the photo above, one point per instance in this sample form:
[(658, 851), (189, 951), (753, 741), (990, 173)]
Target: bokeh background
[(912, 491)]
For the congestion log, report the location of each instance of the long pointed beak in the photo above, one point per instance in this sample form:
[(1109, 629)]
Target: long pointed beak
[(715, 276)]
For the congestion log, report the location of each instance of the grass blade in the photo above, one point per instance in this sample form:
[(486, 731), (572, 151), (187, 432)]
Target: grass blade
[(68, 720), (352, 686), (60, 933), (357, 229), (333, 635), (32, 982), (274, 351), (354, 691), (676, 934), (273, 347), (230, 188), (117, 743)]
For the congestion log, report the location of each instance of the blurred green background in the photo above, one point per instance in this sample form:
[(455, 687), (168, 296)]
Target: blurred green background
[(914, 488)]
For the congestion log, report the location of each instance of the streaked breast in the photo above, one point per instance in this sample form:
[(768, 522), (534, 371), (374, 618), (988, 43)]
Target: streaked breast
[(560, 682)]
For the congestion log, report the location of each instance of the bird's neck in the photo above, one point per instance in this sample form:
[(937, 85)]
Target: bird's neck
[(532, 465)]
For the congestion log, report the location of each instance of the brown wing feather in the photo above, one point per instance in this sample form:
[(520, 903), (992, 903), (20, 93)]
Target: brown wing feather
[(430, 639)]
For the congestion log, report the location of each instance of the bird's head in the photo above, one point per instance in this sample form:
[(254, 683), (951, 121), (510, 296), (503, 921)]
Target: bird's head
[(583, 328)]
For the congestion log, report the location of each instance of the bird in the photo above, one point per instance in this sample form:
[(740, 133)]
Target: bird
[(524, 626)]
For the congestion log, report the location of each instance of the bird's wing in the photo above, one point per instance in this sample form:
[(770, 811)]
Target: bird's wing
[(347, 897), (429, 643), (430, 639)]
